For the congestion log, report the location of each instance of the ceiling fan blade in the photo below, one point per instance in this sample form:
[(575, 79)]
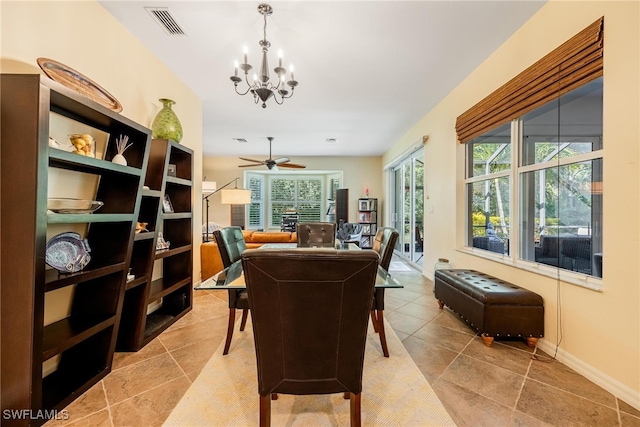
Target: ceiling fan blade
[(281, 160), (250, 166), (251, 160), (291, 165)]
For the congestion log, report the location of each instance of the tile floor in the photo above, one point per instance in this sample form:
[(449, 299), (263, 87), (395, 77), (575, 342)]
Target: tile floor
[(479, 386)]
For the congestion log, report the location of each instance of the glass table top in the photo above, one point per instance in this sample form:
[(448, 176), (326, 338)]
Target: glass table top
[(232, 277)]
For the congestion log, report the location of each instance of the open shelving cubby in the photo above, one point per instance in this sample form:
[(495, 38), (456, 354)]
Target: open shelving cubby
[(52, 352)]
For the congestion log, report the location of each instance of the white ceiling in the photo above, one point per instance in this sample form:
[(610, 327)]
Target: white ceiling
[(367, 70)]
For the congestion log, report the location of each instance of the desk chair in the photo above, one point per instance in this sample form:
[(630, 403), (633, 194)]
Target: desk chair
[(383, 244), (316, 234), (231, 244), (309, 310)]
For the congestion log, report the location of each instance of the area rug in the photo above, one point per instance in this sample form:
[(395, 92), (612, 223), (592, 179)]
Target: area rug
[(395, 393), (398, 266)]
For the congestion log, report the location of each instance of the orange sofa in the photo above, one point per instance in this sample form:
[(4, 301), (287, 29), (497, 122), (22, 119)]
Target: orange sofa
[(211, 263)]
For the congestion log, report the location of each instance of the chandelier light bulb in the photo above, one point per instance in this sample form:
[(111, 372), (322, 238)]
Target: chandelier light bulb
[(263, 88), (291, 71)]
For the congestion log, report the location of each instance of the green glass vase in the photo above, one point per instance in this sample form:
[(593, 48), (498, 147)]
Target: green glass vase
[(166, 124)]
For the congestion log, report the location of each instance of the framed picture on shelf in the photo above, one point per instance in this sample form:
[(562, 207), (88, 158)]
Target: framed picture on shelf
[(167, 207), (171, 170), (364, 205), (366, 229)]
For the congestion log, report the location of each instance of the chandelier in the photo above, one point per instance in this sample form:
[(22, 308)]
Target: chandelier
[(262, 88)]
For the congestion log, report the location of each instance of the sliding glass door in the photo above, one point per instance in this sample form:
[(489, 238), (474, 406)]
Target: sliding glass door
[(408, 205)]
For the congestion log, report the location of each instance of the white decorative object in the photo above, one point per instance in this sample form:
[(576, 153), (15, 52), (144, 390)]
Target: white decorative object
[(121, 146)]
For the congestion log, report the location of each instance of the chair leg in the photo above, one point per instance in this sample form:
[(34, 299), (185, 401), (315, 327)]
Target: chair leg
[(355, 410), (243, 322), (374, 320), (383, 336), (232, 321), (265, 411)]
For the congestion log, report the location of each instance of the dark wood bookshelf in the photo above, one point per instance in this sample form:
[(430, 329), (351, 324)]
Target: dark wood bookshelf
[(79, 346), (170, 296)]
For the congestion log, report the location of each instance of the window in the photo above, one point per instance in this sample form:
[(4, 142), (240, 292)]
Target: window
[(488, 189), (256, 216), (303, 194), (273, 194), (558, 184)]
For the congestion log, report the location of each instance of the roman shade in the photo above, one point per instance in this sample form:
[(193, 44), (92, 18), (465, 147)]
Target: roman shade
[(574, 63)]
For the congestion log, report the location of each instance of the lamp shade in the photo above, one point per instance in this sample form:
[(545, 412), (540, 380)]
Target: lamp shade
[(235, 196), (208, 186)]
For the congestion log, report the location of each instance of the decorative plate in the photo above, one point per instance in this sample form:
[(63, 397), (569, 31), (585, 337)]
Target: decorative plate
[(72, 79), (67, 252), (73, 206)]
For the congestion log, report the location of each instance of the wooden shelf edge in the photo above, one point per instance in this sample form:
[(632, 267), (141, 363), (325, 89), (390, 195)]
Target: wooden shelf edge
[(55, 280), (177, 215), (159, 289), (170, 252), (61, 157), (135, 282), (151, 193), (66, 333), (147, 235), (179, 181), (54, 218)]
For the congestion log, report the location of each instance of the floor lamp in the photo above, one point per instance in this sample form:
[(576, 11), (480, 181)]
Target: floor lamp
[(228, 196), (210, 188)]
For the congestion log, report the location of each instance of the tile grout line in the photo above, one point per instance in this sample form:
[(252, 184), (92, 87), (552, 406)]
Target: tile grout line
[(526, 376), (104, 390)]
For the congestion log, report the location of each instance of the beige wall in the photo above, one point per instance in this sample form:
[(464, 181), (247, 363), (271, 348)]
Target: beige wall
[(358, 174), (85, 37), (600, 330)]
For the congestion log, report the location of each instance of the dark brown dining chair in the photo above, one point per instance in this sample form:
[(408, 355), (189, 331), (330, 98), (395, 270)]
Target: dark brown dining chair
[(383, 244), (231, 245), (316, 234), (309, 310)]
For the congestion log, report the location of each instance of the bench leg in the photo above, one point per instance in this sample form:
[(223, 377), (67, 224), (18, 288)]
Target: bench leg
[(531, 342), (440, 304), (487, 340)]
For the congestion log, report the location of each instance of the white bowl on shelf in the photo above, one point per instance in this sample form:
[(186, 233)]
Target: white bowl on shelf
[(73, 206)]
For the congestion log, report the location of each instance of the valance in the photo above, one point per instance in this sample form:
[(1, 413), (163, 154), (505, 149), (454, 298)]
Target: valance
[(574, 63)]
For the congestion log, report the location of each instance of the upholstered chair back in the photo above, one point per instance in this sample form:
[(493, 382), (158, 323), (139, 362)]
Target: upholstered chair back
[(385, 241), (309, 309), (316, 234), (231, 244)]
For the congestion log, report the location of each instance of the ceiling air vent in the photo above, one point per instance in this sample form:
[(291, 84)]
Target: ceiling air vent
[(163, 16)]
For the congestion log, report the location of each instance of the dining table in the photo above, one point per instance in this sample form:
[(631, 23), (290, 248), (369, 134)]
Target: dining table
[(232, 277)]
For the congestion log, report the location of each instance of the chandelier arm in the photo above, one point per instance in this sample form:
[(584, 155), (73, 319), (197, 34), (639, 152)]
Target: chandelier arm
[(240, 93), (290, 94), (276, 99)]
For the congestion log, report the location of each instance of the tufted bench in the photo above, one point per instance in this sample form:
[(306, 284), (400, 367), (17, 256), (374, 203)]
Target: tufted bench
[(491, 306)]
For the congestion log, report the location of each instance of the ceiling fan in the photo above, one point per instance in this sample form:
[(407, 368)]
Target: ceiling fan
[(282, 162)]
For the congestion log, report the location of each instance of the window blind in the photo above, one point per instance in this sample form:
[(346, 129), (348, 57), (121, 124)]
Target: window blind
[(574, 63)]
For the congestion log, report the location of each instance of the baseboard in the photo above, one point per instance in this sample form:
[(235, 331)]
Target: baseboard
[(613, 386)]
